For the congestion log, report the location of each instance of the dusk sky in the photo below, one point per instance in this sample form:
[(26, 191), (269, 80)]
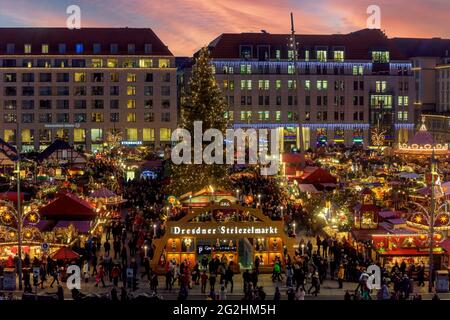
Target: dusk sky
[(186, 25)]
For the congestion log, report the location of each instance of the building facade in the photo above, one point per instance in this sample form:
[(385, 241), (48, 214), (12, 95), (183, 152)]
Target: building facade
[(334, 91), (78, 85)]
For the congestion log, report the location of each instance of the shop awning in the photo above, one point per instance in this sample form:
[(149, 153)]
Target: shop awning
[(11, 196), (308, 188), (65, 253), (408, 252)]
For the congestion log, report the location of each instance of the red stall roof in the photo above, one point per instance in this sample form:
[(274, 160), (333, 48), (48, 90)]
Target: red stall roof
[(68, 207)]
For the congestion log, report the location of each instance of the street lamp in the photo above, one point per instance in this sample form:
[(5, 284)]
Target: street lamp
[(9, 216), (281, 208), (259, 200), (145, 251), (303, 249), (430, 214), (154, 231), (237, 195)]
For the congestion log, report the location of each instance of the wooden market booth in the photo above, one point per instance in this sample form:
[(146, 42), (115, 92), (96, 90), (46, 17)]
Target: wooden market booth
[(226, 230)]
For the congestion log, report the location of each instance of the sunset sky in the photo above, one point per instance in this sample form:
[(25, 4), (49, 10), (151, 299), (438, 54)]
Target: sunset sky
[(186, 25)]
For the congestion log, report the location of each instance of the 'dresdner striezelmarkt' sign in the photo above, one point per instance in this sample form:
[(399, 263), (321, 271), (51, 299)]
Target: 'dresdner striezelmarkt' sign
[(224, 230)]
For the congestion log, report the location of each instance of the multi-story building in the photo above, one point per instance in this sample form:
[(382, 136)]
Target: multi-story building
[(431, 68), (79, 85), (335, 90)]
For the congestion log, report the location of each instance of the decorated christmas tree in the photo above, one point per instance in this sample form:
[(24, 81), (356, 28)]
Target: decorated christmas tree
[(202, 101)]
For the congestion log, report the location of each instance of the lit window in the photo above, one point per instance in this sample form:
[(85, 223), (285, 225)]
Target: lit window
[(246, 84), (79, 77), (263, 84), (132, 134), (164, 63), (44, 48), (148, 134), (358, 70), (97, 117), (165, 134), (380, 86), (306, 55), (112, 63), (27, 48), (146, 63), (277, 84), (131, 117), (79, 48), (322, 55), (277, 115), (97, 63), (79, 135), (291, 69), (322, 84), (338, 55), (131, 104), (380, 56), (246, 69), (277, 54), (131, 90), (131, 77), (9, 135), (307, 84), (292, 84)]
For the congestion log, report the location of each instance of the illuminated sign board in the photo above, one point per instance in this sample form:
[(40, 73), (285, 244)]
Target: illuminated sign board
[(131, 143), (224, 230)]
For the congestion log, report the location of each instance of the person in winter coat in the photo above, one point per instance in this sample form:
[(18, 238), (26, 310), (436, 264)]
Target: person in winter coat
[(341, 275), (383, 293), (300, 294)]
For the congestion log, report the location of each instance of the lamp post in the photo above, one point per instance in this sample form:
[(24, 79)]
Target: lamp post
[(237, 195), (281, 208), (259, 200), (303, 249), (430, 214), (154, 231)]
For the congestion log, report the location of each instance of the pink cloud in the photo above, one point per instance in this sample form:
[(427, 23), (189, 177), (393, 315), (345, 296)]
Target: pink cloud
[(186, 25)]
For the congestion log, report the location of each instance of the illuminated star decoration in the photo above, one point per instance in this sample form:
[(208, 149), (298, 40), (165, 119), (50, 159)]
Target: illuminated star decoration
[(33, 218)]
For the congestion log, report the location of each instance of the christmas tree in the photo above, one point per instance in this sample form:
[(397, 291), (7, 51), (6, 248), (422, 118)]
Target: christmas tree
[(202, 101)]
